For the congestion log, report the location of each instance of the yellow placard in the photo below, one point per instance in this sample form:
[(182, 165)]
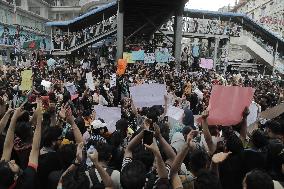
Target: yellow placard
[(128, 57), (27, 81)]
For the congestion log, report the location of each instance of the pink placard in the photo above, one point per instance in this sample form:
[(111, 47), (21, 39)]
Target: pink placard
[(206, 63), (227, 104)]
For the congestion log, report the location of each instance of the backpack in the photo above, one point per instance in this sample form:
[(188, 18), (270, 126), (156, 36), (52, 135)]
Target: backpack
[(95, 180)]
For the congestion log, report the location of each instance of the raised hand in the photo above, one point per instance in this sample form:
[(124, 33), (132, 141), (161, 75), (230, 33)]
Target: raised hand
[(220, 157)]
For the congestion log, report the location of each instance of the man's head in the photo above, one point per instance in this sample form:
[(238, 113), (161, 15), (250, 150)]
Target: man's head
[(274, 129), (199, 160), (105, 152), (52, 137), (133, 175), (206, 179), (257, 179), (9, 172)]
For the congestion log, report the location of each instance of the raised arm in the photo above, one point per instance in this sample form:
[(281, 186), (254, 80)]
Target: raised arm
[(189, 146), (76, 131), (102, 172), (9, 140), (132, 144), (161, 167), (243, 131), (207, 135), (5, 119), (33, 158), (170, 153)]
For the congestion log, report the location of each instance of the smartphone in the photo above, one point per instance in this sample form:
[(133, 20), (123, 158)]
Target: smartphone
[(148, 137)]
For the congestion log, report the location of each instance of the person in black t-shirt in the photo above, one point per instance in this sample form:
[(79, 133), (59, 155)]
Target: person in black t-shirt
[(11, 176)]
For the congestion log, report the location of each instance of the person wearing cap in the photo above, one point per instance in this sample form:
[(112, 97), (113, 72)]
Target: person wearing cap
[(95, 133)]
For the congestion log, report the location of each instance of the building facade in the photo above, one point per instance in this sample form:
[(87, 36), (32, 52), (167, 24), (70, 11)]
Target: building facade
[(268, 13)]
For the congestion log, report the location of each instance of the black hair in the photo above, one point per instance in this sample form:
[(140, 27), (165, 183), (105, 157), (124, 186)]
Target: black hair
[(234, 144), (104, 151), (258, 179), (6, 175), (275, 127), (199, 159), (133, 175), (24, 131), (51, 135), (81, 124), (207, 179), (67, 154), (122, 125), (258, 139), (76, 179)]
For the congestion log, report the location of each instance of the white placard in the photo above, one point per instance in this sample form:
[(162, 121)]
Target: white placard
[(90, 81), (109, 114), (254, 110), (71, 88), (147, 95), (113, 80), (175, 112), (46, 84)]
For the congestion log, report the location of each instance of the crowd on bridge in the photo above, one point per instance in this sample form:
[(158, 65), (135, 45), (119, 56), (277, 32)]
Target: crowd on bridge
[(65, 40), (53, 137)]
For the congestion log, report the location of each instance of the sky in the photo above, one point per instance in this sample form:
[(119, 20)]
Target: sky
[(212, 5)]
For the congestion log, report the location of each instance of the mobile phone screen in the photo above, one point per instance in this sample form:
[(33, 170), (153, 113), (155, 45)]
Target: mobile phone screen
[(148, 137)]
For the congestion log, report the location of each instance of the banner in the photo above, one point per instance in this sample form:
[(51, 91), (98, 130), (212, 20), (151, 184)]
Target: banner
[(109, 114), (90, 81), (227, 103), (128, 57), (147, 95), (27, 81), (121, 66), (206, 63), (138, 55), (162, 57), (149, 58)]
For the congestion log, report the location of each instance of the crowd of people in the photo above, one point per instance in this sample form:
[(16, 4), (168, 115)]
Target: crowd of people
[(53, 138), (66, 40)]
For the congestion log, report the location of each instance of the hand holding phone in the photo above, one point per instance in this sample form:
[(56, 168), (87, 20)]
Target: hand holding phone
[(148, 137)]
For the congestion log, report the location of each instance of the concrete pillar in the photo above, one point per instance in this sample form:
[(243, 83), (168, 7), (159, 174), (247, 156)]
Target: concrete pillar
[(120, 21), (24, 5), (217, 40), (274, 58), (44, 12), (178, 35)]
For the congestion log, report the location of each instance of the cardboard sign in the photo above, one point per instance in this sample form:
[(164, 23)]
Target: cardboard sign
[(27, 81), (227, 104), (121, 66), (147, 95), (149, 58), (138, 55), (128, 57), (272, 113)]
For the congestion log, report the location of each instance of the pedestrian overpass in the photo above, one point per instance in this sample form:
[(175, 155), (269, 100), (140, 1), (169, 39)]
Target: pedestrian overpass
[(134, 18)]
